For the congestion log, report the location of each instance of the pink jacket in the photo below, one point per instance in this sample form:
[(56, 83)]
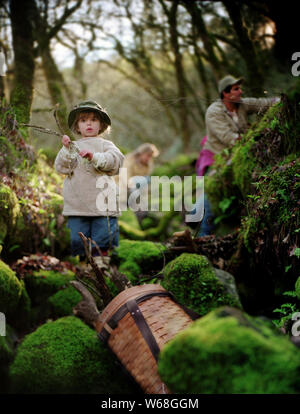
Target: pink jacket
[(205, 159)]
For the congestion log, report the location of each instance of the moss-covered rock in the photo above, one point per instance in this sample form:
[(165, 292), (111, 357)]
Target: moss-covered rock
[(9, 211), (41, 284), (63, 301), (194, 283), (66, 356), (229, 352), (138, 257), (12, 292), (6, 348), (7, 351)]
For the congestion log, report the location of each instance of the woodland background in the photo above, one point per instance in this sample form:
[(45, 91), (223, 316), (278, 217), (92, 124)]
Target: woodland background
[(154, 65)]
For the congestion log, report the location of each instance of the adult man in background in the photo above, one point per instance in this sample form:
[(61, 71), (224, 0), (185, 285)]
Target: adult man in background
[(226, 119)]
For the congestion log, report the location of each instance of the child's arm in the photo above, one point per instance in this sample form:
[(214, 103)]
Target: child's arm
[(108, 161), (65, 161)]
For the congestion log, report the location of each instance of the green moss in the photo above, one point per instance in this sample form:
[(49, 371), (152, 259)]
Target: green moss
[(6, 350), (66, 356), (11, 290), (297, 288), (138, 257), (63, 301), (275, 203), (21, 232), (44, 283), (127, 231), (9, 205), (192, 280), (9, 161), (236, 167), (228, 352), (54, 202), (20, 102), (129, 217), (243, 164), (149, 222), (162, 229), (49, 155), (249, 227), (6, 357), (219, 186), (22, 315), (267, 120), (3, 229)]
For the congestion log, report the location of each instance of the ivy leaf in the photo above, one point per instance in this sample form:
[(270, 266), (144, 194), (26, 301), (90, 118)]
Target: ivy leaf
[(226, 203), (46, 241), (297, 252)]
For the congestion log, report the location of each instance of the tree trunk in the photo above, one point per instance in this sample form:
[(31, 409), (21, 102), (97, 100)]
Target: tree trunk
[(180, 76), (2, 92), (56, 85), (255, 76), (44, 32), (78, 73), (202, 73), (22, 91), (200, 28)]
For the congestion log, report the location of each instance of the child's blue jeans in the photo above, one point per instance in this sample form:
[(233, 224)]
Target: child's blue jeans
[(103, 230)]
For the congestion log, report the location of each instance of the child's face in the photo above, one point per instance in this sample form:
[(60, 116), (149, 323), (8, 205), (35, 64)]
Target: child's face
[(88, 125)]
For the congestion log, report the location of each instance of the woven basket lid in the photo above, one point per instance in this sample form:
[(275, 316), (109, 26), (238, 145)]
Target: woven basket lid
[(134, 292)]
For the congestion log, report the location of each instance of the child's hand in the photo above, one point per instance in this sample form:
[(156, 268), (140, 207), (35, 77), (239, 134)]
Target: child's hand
[(86, 154), (66, 141)]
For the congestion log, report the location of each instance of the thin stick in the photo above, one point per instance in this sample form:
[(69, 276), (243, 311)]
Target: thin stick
[(94, 281), (42, 129), (105, 292), (57, 120), (119, 279)]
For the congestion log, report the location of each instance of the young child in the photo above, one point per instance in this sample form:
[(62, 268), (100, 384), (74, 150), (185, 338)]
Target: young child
[(84, 162)]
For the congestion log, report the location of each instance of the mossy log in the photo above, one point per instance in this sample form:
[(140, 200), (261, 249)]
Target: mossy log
[(152, 233)]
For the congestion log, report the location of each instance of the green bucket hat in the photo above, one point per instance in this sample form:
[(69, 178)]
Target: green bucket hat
[(85, 106)]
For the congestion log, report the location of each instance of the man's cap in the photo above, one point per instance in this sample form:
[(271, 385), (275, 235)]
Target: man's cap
[(228, 81), (85, 106)]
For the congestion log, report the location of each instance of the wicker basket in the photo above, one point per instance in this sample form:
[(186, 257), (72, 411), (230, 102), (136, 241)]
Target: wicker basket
[(136, 324)]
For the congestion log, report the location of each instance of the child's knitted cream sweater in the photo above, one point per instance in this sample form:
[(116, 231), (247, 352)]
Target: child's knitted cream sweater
[(89, 182)]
